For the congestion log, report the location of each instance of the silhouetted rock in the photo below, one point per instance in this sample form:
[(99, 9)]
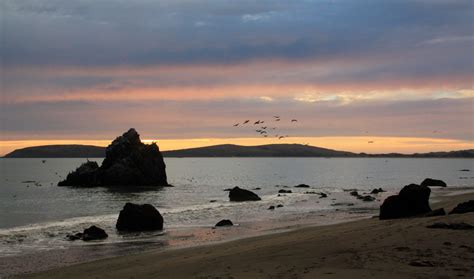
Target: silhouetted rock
[(376, 191), (451, 226), (433, 182), (84, 175), (237, 194), (322, 195), (436, 212), (412, 200), (280, 205), (128, 162), (464, 207), (224, 223), (272, 207), (302, 186), (282, 191), (135, 217), (94, 233)]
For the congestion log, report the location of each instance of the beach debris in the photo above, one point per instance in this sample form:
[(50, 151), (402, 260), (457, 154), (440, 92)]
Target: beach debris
[(463, 207), (271, 207), (136, 217), (376, 191), (411, 201), (91, 233), (224, 223), (451, 226), (237, 194), (433, 182), (283, 191), (128, 162), (301, 186)]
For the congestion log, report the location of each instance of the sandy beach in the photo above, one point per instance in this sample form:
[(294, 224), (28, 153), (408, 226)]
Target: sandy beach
[(370, 248)]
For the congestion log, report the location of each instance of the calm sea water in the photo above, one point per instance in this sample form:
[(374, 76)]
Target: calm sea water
[(37, 214)]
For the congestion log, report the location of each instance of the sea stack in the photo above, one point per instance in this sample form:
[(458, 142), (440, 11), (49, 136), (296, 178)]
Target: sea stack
[(128, 162)]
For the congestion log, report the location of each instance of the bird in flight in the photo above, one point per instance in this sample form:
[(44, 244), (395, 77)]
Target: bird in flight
[(294, 120), (246, 121), (257, 122), (276, 116), (278, 119), (235, 125)]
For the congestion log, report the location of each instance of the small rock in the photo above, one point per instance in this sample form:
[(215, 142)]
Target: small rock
[(322, 195), (310, 192), (465, 170), (376, 191), (258, 188), (464, 207), (136, 217), (302, 186), (212, 200), (271, 207), (354, 193), (73, 237), (366, 198), (422, 264), (224, 223), (451, 226), (282, 191), (238, 195), (436, 212), (280, 205), (94, 233), (433, 182)]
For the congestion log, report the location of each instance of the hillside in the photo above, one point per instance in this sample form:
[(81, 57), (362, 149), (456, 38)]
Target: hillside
[(225, 150)]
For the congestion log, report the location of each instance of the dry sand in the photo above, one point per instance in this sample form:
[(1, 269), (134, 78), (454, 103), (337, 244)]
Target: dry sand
[(362, 249)]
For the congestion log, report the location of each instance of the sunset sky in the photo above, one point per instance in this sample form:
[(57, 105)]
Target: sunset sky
[(398, 73)]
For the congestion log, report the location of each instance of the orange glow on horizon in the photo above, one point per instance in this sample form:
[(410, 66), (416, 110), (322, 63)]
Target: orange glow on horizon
[(353, 144)]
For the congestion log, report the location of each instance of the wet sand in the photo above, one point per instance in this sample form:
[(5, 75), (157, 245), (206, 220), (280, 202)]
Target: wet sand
[(367, 248)]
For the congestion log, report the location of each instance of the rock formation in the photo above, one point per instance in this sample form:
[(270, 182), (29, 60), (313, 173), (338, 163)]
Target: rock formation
[(224, 223), (136, 217), (128, 162), (464, 207), (412, 200)]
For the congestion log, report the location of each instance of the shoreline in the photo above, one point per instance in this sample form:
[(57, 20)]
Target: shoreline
[(224, 255)]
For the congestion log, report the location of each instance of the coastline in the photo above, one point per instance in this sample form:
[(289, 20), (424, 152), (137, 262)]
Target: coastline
[(367, 248)]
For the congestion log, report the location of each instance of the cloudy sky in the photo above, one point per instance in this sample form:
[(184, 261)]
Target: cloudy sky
[(398, 73)]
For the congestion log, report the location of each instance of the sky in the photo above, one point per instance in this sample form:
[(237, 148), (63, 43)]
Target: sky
[(397, 74)]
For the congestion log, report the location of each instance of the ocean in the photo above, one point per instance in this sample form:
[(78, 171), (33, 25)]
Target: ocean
[(36, 215)]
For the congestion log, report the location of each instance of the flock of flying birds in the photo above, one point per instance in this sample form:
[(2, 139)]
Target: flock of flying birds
[(268, 129)]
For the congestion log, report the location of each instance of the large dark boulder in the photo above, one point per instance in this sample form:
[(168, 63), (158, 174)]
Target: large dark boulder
[(433, 182), (464, 207), (136, 217), (237, 194), (412, 200), (94, 233), (128, 162)]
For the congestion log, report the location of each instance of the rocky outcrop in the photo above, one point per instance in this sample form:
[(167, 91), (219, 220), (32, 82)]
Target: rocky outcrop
[(237, 194), (412, 200), (224, 223), (136, 217), (464, 207), (376, 191), (128, 162), (433, 182)]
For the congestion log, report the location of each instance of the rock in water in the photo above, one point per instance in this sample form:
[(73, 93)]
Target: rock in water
[(224, 223), (128, 162), (433, 182), (94, 233), (85, 175), (136, 217), (237, 194), (464, 207), (412, 200)]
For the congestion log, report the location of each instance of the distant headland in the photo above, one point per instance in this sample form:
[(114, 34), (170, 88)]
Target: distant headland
[(225, 150)]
